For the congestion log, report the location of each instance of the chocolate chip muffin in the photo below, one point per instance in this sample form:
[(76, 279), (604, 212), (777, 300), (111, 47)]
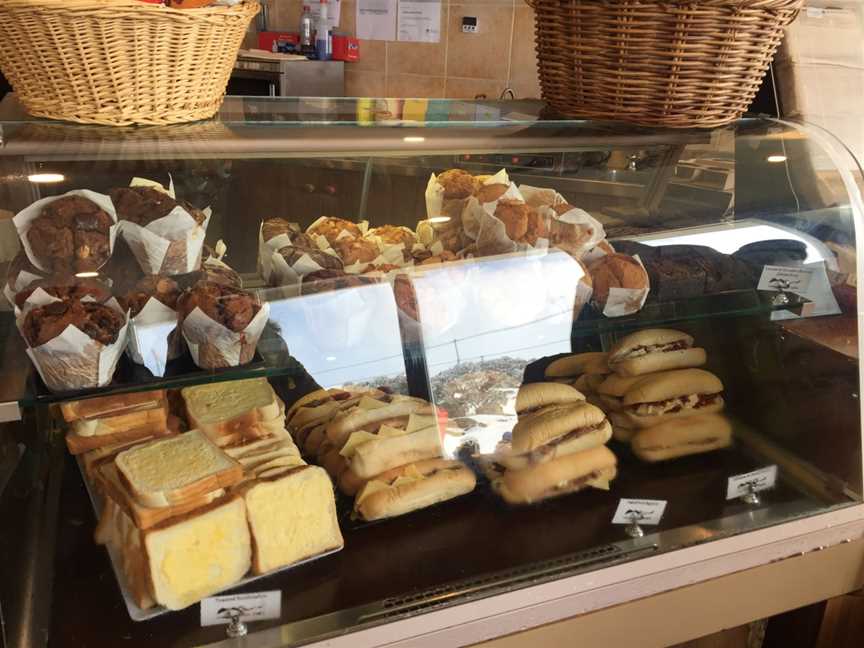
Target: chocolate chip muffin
[(67, 287), (331, 227), (293, 253), (220, 273), (19, 264), (71, 235), (393, 235), (229, 306), (161, 288), (143, 205), (44, 323)]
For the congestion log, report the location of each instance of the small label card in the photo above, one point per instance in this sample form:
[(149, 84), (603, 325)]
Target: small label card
[(752, 482), (640, 511), (781, 278), (254, 606)]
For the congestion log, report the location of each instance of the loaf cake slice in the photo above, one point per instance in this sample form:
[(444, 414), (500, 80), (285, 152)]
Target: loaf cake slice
[(292, 517), (176, 470), (194, 556), (226, 408)]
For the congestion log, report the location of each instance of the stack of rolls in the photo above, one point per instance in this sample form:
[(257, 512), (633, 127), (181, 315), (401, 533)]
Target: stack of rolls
[(584, 371), (557, 447), (382, 449), (659, 401)]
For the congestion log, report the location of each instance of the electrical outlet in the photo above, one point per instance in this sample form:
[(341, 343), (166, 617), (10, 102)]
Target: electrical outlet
[(469, 25)]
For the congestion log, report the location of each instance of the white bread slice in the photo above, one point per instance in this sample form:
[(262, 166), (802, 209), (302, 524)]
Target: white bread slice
[(78, 444), (176, 469), (111, 405), (292, 517), (194, 556), (145, 517), (154, 416), (224, 408), (117, 531)]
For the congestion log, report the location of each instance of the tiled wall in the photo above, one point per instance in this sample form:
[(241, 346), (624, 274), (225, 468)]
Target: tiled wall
[(461, 66)]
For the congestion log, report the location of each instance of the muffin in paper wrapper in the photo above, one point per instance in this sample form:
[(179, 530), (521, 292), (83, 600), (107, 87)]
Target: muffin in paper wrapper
[(153, 337), (449, 232), (392, 255), (214, 346), (575, 231), (169, 245), (626, 301), (275, 269), (322, 242), (266, 250), (26, 216), (73, 360), (22, 280), (40, 297)]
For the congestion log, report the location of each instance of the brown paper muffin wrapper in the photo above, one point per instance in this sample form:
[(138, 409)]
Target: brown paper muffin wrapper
[(73, 360), (26, 216), (214, 346)]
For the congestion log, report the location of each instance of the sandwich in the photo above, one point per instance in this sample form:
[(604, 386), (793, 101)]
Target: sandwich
[(229, 412), (683, 436), (583, 370), (672, 394), (568, 474), (611, 391), (654, 350), (554, 421), (292, 517), (412, 487), (176, 469)]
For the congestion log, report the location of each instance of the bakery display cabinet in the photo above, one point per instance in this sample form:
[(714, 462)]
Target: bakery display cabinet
[(366, 372)]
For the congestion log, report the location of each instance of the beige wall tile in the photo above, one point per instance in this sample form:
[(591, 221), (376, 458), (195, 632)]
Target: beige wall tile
[(285, 14), (364, 84), (373, 56), (523, 59), (418, 58), (457, 88), (527, 87), (414, 85), (348, 19), (483, 55)]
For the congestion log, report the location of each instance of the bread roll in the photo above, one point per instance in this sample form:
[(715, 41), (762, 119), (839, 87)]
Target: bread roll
[(652, 350), (549, 423), (535, 395), (683, 436), (672, 384), (594, 362)]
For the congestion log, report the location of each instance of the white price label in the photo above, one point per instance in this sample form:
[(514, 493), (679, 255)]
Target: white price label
[(815, 12), (781, 278), (752, 482), (640, 511), (254, 606)]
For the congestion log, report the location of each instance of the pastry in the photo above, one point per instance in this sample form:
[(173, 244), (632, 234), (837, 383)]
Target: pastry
[(143, 205), (67, 287), (355, 250), (20, 274), (616, 271), (218, 272), (536, 227), (514, 215), (71, 235), (392, 235), (332, 228), (327, 280), (294, 252), (164, 289), (228, 306), (487, 193), (44, 323), (273, 227), (457, 184)]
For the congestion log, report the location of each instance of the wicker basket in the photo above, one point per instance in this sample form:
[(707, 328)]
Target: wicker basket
[(120, 62), (677, 63)]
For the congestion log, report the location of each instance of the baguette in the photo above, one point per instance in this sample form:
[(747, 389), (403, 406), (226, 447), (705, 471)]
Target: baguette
[(341, 427), (412, 487), (377, 456), (176, 470)]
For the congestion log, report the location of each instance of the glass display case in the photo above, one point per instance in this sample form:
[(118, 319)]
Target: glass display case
[(523, 358)]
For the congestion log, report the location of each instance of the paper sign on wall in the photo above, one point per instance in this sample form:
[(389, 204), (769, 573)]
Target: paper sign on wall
[(419, 21), (376, 19)]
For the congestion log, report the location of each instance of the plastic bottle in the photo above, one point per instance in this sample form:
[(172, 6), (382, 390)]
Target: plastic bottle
[(323, 37), (306, 30)]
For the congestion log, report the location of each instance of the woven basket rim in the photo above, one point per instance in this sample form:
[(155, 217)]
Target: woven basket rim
[(765, 5), (136, 5)]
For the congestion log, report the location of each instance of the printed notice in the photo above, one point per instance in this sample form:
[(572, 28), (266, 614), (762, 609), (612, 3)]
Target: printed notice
[(639, 511), (376, 19), (781, 278), (419, 21), (752, 482), (255, 606)]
